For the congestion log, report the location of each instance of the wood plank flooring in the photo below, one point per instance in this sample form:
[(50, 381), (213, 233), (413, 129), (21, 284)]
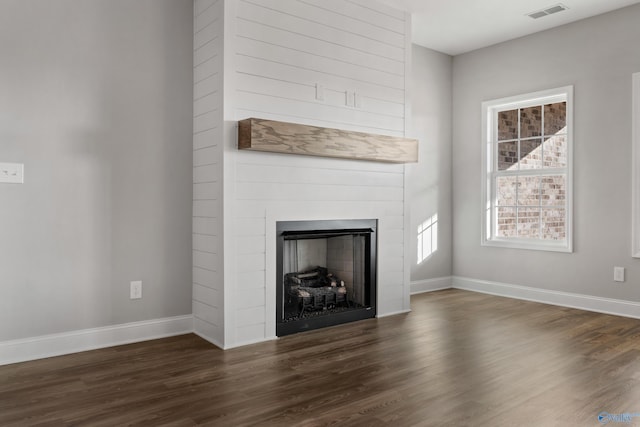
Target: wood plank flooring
[(458, 359)]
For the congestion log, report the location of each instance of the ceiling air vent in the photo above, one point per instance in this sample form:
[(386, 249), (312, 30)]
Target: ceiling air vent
[(548, 11)]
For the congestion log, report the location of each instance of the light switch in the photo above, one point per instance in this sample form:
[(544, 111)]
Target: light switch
[(12, 173)]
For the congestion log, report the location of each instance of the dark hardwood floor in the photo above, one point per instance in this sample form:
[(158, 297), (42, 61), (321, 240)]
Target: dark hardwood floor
[(458, 359)]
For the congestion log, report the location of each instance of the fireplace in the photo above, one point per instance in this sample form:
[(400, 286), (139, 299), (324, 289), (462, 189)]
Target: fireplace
[(326, 273)]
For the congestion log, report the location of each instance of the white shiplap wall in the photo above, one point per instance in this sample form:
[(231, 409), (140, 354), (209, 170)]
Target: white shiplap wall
[(208, 283), (276, 54)]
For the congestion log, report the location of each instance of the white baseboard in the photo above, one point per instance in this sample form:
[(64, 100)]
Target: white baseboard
[(564, 299), (430, 285), (23, 350), (249, 342), (393, 313), (44, 346)]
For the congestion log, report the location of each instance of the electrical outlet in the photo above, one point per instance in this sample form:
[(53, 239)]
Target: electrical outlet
[(618, 274), (135, 290)]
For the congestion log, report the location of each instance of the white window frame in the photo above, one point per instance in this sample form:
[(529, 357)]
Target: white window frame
[(635, 204), (489, 127)]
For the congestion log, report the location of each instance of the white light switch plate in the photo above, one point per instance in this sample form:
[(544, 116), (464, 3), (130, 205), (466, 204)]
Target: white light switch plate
[(12, 173)]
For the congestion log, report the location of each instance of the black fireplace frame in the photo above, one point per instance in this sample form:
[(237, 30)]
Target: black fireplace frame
[(322, 229)]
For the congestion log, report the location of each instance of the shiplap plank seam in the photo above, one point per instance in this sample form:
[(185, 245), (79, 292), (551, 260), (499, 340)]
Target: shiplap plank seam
[(214, 145), (285, 9), (278, 70), (205, 78), (205, 113), (203, 90), (253, 84), (207, 17), (206, 69), (207, 104), (212, 3), (254, 112), (365, 79), (314, 102), (310, 110), (334, 43), (310, 183), (205, 252), (257, 168), (206, 268), (301, 27), (316, 163), (325, 5), (314, 46), (205, 320), (327, 88), (204, 60), (203, 165), (382, 9), (206, 43), (205, 130)]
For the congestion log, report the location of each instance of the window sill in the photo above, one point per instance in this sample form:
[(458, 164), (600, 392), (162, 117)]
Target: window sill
[(562, 246)]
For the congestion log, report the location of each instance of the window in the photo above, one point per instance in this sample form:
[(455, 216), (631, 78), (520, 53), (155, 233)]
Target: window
[(527, 171), (427, 238)]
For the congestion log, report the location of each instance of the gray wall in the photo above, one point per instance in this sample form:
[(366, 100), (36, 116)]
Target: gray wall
[(429, 181), (95, 100), (597, 56)]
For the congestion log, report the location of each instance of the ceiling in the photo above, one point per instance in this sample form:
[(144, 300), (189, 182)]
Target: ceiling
[(458, 26)]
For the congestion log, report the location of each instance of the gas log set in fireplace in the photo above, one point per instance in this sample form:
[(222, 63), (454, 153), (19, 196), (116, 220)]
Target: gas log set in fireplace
[(314, 290), (326, 273)]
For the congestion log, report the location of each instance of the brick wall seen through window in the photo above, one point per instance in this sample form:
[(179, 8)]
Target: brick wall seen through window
[(528, 174)]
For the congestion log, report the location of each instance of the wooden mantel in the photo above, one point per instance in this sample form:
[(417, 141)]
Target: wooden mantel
[(290, 138)]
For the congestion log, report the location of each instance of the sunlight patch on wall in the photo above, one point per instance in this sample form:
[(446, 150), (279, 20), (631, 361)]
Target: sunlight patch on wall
[(427, 238)]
